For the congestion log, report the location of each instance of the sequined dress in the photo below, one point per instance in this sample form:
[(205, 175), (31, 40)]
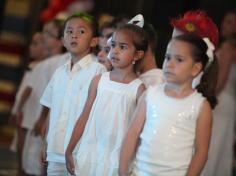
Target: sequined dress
[(167, 139)]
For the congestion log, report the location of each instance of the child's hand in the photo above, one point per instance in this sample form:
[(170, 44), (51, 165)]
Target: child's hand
[(43, 155), (70, 163), (19, 118), (39, 128)]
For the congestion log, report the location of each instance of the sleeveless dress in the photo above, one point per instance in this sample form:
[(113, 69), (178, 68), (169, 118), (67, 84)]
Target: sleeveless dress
[(110, 116), (167, 139)]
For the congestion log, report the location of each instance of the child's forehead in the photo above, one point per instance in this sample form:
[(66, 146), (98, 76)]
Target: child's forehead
[(178, 46), (78, 21), (122, 35)]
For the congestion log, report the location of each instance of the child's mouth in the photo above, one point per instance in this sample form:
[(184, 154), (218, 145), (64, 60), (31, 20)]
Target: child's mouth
[(73, 44)]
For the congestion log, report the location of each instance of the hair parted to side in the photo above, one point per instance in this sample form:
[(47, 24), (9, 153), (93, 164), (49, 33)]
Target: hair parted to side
[(86, 17), (137, 34), (207, 85)]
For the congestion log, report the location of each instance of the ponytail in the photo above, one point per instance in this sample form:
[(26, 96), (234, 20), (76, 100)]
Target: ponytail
[(208, 83)]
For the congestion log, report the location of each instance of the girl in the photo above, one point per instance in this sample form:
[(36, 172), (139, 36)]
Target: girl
[(110, 104), (174, 121)]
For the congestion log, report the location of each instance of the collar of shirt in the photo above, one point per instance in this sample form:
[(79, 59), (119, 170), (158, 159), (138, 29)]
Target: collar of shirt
[(82, 63)]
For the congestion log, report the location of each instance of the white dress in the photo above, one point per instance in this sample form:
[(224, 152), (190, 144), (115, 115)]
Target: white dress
[(167, 139), (112, 110), (152, 77), (220, 155)]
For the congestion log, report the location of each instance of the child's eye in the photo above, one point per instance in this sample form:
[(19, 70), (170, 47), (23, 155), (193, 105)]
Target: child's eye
[(69, 31), (81, 31), (107, 49), (167, 57), (178, 59), (123, 47), (112, 45)]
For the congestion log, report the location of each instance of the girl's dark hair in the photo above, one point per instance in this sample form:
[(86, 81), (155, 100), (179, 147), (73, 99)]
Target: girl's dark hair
[(139, 38), (137, 34), (88, 18), (207, 85), (152, 36)]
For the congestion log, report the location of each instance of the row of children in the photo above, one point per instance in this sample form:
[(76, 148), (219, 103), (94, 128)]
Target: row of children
[(134, 119)]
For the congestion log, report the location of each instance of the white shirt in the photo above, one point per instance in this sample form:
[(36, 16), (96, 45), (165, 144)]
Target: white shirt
[(39, 78), (66, 95), (152, 77)]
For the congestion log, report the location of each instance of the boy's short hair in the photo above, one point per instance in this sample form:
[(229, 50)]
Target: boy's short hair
[(86, 17)]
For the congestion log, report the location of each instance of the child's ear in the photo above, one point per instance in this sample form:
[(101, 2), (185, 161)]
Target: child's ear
[(197, 68), (94, 42), (139, 55)]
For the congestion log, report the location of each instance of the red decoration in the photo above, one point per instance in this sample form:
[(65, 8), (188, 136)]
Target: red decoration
[(199, 23), (54, 7)]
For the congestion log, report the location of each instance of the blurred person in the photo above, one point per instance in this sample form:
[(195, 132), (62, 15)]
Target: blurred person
[(39, 78), (220, 156), (37, 53), (228, 24), (147, 68)]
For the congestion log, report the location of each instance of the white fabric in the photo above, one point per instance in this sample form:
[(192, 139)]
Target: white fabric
[(65, 95), (39, 79), (31, 154), (220, 155), (152, 77), (57, 169), (108, 121), (24, 83), (167, 139)]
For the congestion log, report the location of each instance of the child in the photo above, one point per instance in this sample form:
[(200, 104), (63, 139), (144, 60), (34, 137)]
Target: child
[(147, 68), (110, 104), (52, 36), (198, 23), (103, 53), (174, 120), (67, 90), (106, 32), (36, 53)]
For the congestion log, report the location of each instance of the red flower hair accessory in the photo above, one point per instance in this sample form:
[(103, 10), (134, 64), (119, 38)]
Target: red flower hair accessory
[(199, 23)]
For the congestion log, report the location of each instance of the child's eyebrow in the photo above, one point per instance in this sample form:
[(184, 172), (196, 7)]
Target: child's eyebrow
[(122, 43)]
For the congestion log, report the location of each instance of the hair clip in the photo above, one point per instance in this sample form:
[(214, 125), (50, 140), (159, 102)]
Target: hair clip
[(137, 20)]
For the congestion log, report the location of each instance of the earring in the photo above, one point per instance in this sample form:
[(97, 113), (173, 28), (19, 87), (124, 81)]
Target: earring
[(133, 62)]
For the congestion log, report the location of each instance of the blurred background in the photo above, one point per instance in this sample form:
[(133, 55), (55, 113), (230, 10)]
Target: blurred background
[(19, 19)]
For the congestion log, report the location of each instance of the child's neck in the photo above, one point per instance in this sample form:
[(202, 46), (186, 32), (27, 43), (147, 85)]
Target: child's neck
[(123, 75), (178, 91), (149, 64), (76, 58)]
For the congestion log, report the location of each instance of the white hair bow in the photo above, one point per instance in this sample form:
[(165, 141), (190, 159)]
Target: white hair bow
[(137, 20)]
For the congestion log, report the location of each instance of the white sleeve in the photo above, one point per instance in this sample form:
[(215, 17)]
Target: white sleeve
[(46, 99)]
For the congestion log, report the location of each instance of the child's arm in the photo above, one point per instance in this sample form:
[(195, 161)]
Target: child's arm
[(24, 97), (81, 122), (39, 127), (132, 137), (203, 136)]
